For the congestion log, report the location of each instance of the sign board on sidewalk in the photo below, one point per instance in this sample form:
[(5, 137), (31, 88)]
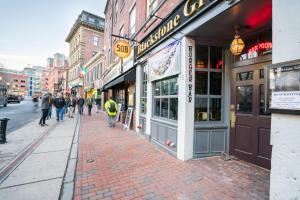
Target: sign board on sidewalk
[(128, 119), (119, 111)]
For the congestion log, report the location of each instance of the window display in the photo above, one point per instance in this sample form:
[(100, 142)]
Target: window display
[(208, 84)]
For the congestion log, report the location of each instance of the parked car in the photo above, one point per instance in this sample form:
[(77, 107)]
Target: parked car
[(21, 97), (13, 98)]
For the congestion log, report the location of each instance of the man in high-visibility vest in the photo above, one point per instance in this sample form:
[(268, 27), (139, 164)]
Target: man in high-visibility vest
[(111, 108)]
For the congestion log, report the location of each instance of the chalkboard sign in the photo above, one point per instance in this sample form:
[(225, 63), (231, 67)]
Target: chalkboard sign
[(128, 118), (119, 111)]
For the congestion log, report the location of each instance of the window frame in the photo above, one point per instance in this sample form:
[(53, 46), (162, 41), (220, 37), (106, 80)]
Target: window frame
[(150, 7), (168, 96), (132, 26), (95, 40), (209, 96), (144, 75)]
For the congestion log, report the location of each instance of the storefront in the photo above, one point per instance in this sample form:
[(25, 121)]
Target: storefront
[(119, 83), (198, 99)]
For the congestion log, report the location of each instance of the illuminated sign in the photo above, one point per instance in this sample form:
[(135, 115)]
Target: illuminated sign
[(186, 10), (122, 48), (260, 47)]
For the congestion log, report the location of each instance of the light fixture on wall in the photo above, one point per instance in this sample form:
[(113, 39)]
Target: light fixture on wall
[(237, 44)]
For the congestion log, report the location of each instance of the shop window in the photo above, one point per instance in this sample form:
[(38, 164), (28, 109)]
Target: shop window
[(201, 82), (208, 84), (166, 98), (144, 89), (243, 76), (216, 83), (244, 99), (216, 61)]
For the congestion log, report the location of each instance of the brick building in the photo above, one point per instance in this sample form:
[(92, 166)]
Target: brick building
[(16, 83), (86, 39), (57, 71)]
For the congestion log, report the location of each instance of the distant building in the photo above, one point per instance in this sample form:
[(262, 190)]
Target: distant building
[(59, 60), (50, 62), (86, 39), (15, 81), (34, 75), (45, 80), (56, 76)]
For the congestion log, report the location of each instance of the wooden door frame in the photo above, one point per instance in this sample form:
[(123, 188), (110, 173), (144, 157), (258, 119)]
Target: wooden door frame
[(244, 66)]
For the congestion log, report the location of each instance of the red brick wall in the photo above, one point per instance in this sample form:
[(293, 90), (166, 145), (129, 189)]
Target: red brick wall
[(141, 17), (88, 44)]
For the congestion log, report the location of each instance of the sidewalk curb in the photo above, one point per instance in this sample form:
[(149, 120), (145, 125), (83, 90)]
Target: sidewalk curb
[(68, 184), (14, 163)]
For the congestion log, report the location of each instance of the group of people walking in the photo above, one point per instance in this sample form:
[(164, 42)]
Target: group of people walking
[(63, 106), (68, 105)]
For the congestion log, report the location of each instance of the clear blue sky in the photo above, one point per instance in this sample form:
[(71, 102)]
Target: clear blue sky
[(33, 30)]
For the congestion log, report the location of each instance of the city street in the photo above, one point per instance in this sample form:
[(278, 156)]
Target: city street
[(19, 114)]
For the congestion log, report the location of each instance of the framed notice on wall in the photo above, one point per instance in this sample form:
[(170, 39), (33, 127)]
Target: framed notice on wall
[(284, 86), (128, 118)]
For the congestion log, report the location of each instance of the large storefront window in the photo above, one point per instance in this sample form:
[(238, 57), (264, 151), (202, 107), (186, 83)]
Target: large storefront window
[(144, 90), (208, 83), (166, 98)]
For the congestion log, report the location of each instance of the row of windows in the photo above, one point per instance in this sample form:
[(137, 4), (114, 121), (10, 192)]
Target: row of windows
[(93, 74), (208, 88), (75, 57)]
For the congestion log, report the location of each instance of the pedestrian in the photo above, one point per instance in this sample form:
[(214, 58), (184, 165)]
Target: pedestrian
[(111, 108), (44, 107), (67, 104), (59, 104), (89, 104), (50, 106), (35, 101), (72, 107), (97, 101), (80, 104)]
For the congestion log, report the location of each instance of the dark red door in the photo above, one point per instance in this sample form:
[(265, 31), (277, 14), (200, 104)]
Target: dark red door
[(250, 124)]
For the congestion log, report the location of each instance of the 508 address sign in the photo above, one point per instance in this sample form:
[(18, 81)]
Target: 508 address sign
[(122, 49)]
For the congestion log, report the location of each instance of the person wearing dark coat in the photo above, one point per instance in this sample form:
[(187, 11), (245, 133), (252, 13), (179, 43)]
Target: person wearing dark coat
[(80, 103), (59, 104), (45, 107)]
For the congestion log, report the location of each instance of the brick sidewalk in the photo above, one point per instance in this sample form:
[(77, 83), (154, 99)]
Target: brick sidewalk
[(127, 166)]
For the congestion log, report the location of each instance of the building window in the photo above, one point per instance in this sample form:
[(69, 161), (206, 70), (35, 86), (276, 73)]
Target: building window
[(132, 17), (91, 20), (122, 30), (116, 10), (166, 98), (208, 84), (144, 89), (152, 4), (95, 40)]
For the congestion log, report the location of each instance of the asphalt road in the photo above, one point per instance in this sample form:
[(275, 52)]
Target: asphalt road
[(19, 114)]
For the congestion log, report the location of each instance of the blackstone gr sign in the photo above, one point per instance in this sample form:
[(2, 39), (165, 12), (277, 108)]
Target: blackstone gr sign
[(184, 13)]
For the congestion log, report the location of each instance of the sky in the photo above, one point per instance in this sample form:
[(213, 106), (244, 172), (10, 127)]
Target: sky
[(33, 30)]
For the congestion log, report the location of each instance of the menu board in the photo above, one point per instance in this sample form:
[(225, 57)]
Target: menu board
[(284, 84), (128, 119)]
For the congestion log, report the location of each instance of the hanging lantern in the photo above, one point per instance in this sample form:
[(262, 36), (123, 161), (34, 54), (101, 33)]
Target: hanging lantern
[(237, 44), (200, 64)]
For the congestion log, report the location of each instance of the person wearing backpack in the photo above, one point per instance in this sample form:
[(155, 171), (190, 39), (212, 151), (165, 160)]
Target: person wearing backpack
[(111, 108)]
